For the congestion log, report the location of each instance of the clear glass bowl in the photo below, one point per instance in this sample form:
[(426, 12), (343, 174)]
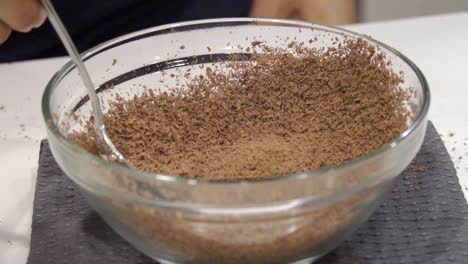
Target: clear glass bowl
[(295, 218)]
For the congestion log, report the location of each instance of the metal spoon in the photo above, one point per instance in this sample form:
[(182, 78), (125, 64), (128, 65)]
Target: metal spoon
[(105, 146)]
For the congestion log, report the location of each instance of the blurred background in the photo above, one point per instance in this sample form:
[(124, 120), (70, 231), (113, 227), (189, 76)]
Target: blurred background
[(375, 10), (91, 22), (336, 12)]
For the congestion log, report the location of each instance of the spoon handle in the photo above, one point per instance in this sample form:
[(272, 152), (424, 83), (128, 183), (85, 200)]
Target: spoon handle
[(76, 58), (102, 140)]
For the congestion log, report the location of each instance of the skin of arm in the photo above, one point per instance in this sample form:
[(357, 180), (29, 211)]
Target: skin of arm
[(330, 12)]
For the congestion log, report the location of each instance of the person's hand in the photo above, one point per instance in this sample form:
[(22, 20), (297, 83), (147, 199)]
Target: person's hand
[(331, 12), (20, 15)]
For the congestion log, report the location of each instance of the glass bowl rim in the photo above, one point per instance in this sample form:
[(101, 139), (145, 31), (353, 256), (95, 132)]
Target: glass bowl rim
[(204, 23)]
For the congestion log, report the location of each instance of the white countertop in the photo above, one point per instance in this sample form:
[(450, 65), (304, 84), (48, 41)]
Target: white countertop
[(437, 44)]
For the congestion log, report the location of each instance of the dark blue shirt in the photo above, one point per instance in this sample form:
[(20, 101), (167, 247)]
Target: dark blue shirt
[(91, 22)]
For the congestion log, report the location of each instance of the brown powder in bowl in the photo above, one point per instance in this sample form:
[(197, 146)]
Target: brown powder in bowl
[(281, 238), (279, 112), (276, 114)]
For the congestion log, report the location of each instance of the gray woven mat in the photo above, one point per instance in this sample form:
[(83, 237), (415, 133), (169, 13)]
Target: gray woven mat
[(423, 220)]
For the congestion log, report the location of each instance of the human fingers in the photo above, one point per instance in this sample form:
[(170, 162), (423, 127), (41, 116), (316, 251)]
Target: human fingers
[(22, 15), (5, 32)]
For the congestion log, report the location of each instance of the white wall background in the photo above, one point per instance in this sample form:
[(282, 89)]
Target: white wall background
[(374, 10)]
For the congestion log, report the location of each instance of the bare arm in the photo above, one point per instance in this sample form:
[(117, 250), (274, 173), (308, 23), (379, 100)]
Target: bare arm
[(331, 12)]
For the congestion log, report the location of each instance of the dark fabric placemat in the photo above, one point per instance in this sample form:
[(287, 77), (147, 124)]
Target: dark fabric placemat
[(423, 220)]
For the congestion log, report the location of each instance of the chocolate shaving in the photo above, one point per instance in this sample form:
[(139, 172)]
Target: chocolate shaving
[(280, 112)]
